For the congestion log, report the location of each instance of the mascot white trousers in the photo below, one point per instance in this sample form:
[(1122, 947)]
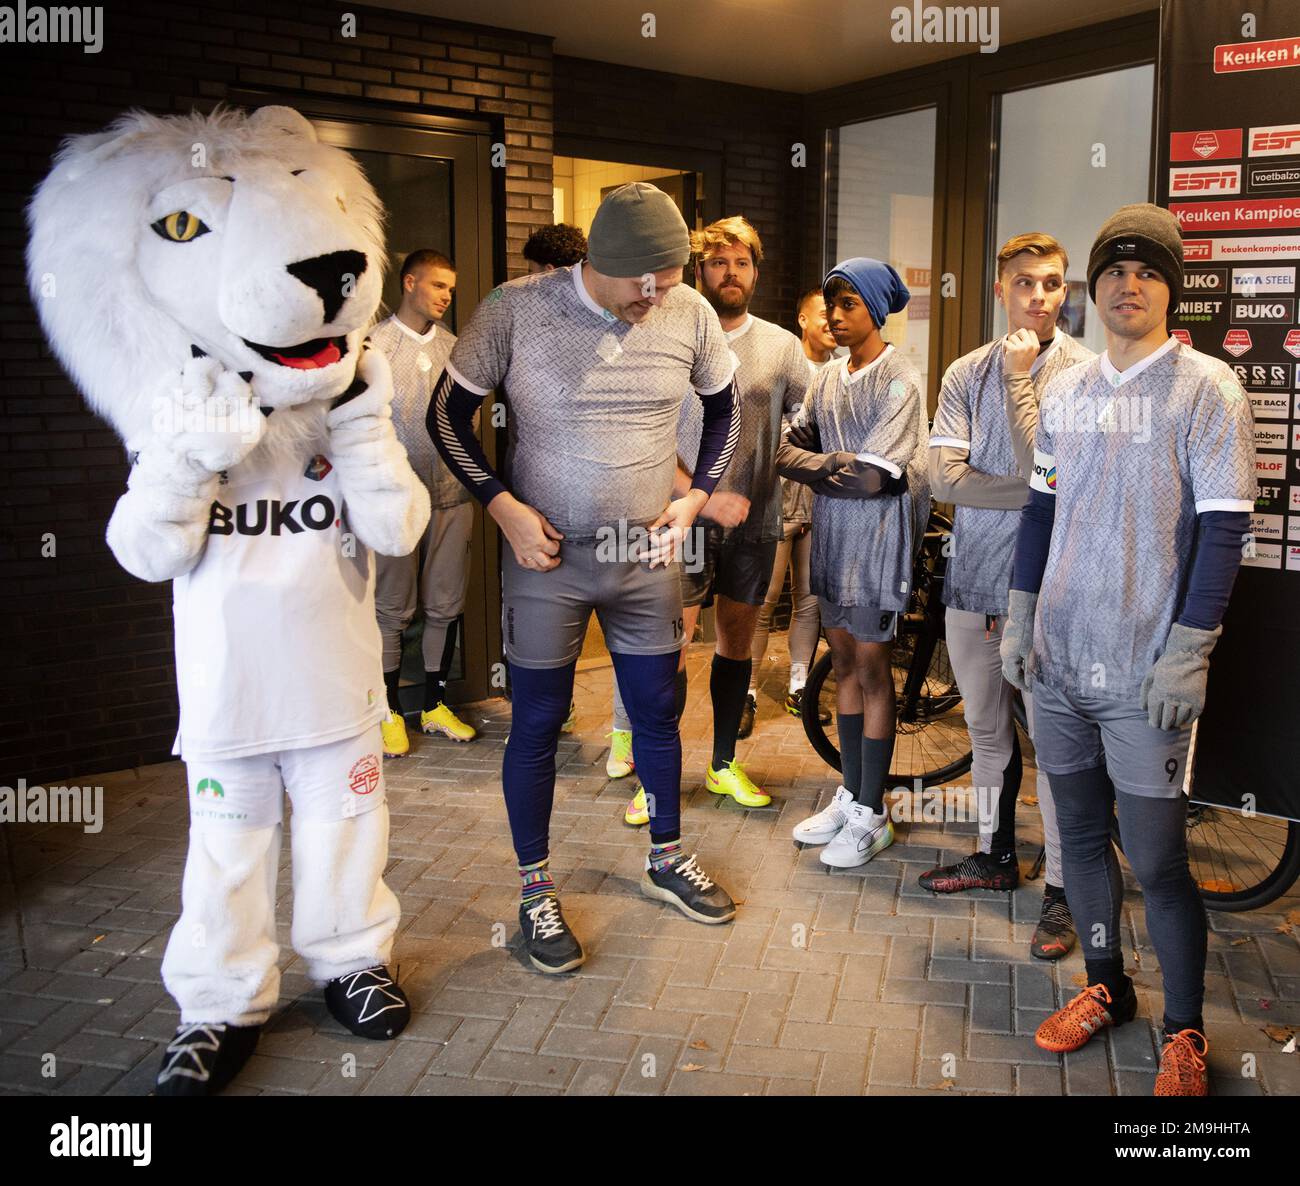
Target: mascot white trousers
[(221, 963)]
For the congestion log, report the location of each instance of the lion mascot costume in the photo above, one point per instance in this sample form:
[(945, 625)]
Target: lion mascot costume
[(208, 281)]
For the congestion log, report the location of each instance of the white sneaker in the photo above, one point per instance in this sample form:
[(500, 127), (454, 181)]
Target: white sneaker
[(819, 828), (863, 835)]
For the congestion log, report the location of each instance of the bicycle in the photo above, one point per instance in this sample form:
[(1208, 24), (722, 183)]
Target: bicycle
[(1238, 862)]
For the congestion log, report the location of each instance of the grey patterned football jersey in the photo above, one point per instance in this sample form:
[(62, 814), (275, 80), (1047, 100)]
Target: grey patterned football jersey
[(797, 497), (972, 415), (417, 360), (1132, 459), (593, 401), (772, 377), (862, 548)]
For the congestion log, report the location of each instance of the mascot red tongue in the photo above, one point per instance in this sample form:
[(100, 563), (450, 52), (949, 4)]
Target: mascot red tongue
[(159, 249)]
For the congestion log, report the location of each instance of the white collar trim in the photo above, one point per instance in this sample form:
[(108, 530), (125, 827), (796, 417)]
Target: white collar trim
[(585, 297), (854, 376), (742, 329), (423, 339), (1116, 378)]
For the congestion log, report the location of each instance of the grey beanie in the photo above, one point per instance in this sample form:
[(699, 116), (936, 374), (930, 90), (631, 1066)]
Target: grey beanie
[(1143, 232), (637, 229)]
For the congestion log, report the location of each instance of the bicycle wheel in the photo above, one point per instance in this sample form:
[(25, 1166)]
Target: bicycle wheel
[(931, 743), (1238, 862)]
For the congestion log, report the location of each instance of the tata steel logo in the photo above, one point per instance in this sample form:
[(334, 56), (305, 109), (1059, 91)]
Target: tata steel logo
[(1220, 144), (1279, 140), (1237, 342), (1223, 180), (1198, 249)]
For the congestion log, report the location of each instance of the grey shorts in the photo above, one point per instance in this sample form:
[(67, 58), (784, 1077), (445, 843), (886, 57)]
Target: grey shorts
[(726, 566), (544, 615), (865, 622), (1073, 733)]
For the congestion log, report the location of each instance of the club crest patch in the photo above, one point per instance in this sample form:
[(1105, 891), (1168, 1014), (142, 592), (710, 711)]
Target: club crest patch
[(317, 468)]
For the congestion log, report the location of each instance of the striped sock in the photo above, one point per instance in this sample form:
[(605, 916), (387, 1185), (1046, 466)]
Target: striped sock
[(664, 854), (537, 881)]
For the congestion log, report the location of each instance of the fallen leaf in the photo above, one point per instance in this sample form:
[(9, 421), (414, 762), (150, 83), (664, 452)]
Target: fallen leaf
[(1137, 958), (1239, 942), (946, 1085), (1289, 1048), (97, 938), (1217, 886), (1080, 979), (1283, 928), (1029, 800), (1293, 916), (700, 1044), (692, 1066), (1279, 1033)]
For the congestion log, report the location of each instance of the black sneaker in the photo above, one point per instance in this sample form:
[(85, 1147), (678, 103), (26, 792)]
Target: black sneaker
[(794, 706), (747, 718), (202, 1058), (1054, 935), (977, 871), (685, 885), (550, 944), (369, 1003)]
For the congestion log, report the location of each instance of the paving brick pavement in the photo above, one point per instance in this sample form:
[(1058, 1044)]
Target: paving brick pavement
[(844, 982)]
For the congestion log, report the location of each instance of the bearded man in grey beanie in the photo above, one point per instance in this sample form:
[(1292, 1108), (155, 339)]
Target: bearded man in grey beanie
[(596, 359), (1140, 498)]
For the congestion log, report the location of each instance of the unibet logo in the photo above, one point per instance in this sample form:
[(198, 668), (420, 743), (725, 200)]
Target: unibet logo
[(210, 786), (257, 518)]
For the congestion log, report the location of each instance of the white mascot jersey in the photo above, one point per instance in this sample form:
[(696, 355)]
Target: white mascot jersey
[(208, 280)]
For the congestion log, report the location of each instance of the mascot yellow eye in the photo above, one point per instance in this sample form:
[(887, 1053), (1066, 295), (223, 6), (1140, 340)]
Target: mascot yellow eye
[(181, 227)]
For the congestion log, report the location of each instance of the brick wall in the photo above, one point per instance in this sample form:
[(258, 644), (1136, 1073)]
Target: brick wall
[(88, 649), (751, 130)]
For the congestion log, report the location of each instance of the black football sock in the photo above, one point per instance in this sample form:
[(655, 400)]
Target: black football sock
[(435, 682), (1003, 847), (876, 756), (392, 682), (849, 727), (728, 687)]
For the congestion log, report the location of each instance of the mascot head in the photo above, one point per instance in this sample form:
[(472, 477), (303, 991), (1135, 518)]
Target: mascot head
[(237, 235)]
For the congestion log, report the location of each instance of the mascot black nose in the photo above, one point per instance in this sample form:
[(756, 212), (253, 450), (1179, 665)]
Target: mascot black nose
[(330, 275)]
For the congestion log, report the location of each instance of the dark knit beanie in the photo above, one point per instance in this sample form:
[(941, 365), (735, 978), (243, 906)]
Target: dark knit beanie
[(637, 229), (1141, 232)]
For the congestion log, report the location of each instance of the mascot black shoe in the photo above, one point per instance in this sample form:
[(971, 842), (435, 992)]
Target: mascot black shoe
[(201, 1059), (208, 281), (369, 1003)]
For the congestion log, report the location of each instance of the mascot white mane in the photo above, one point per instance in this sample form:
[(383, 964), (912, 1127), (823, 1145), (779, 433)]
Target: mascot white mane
[(240, 236)]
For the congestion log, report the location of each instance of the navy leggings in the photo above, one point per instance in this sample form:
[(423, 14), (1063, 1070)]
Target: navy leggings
[(539, 706), (1155, 845)]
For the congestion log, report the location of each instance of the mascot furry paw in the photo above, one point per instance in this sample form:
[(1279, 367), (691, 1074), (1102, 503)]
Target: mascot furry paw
[(208, 282)]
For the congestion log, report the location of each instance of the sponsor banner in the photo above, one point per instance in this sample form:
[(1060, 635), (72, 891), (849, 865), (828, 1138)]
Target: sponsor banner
[(1295, 437), (1291, 343), (1224, 144), (1266, 526), (1262, 281), (1295, 498), (1183, 336), (1257, 55), (1271, 436), (1269, 407), (1293, 528), (1266, 556), (1199, 308), (1205, 280), (1275, 377), (1276, 140), (1262, 178), (1295, 412), (1242, 249), (1293, 558), (1206, 181), (1278, 310), (1247, 215), (1268, 498), (1237, 342), (1270, 467)]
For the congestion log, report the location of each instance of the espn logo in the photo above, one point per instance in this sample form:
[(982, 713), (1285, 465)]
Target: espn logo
[(1279, 140), (1198, 249), (1223, 180)]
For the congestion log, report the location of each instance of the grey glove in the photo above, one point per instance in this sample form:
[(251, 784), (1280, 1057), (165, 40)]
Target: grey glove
[(1018, 637), (1173, 692)]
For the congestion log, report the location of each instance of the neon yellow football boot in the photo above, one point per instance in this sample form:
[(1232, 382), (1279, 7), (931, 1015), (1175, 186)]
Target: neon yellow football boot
[(392, 731), (732, 780), (443, 720), (572, 719), (619, 764), (637, 811)]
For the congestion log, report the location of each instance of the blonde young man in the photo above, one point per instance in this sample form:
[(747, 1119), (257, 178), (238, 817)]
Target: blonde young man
[(433, 578), (794, 552), (736, 547), (980, 450)]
